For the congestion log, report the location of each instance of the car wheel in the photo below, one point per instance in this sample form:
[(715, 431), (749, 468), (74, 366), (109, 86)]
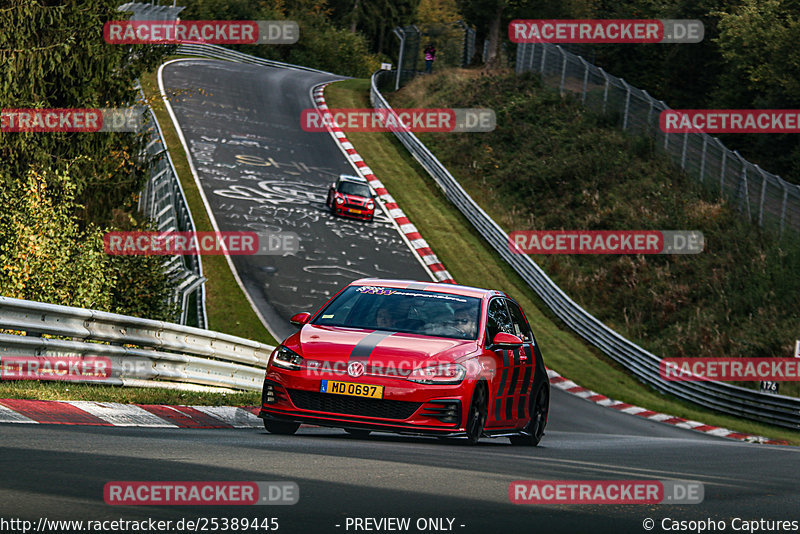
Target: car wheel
[(534, 430), (281, 427), (478, 409), (358, 432)]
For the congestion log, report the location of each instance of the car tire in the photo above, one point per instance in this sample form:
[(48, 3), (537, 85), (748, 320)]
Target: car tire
[(534, 430), (285, 428), (358, 432), (478, 411)]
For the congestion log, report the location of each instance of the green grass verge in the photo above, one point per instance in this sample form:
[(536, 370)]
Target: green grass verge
[(124, 395), (472, 261)]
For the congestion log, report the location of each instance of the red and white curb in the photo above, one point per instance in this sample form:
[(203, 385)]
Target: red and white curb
[(134, 415), (571, 387), (410, 231)]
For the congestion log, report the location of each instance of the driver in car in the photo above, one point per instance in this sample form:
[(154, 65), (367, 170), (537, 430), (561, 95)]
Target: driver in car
[(464, 321), (387, 318)]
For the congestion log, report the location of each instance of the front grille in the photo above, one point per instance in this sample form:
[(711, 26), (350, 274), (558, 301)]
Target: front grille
[(346, 404)]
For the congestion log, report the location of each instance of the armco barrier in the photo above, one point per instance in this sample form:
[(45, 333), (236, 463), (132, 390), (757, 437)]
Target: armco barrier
[(138, 349), (163, 201), (734, 400), (220, 52)]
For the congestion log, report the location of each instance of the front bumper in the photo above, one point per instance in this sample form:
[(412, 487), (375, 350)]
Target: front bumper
[(435, 410), (363, 214)]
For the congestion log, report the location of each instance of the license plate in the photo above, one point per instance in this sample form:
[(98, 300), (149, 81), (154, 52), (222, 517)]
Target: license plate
[(351, 210), (350, 388)]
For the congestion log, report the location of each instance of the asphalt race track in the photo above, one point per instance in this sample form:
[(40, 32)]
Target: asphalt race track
[(261, 172), (59, 472)]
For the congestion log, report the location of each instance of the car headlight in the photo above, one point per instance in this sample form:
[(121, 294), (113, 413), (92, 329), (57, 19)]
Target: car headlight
[(339, 200), (370, 204), (286, 358), (442, 373)]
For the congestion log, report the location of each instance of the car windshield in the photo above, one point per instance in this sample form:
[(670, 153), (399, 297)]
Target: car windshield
[(352, 188), (428, 313)]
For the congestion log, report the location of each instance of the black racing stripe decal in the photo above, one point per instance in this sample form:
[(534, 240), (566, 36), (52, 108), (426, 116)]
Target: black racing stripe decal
[(526, 378), (417, 286), (502, 385), (521, 407), (505, 358), (513, 384), (498, 412), (364, 348), (509, 406)]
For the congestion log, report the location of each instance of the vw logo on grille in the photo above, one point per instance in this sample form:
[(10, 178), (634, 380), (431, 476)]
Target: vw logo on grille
[(355, 369)]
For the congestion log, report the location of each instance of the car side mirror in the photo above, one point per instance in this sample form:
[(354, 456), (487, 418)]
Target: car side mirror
[(504, 339), (300, 319)]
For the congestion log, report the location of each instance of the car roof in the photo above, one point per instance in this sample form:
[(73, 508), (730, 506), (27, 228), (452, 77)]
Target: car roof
[(351, 178), (453, 289)]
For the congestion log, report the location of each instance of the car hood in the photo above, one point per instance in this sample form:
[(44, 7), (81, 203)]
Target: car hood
[(376, 347)]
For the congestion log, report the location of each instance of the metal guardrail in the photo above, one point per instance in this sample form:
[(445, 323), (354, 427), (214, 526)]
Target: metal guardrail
[(137, 349), (220, 52), (734, 400), (164, 202), (763, 197)]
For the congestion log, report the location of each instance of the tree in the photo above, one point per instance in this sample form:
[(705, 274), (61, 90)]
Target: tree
[(52, 55)]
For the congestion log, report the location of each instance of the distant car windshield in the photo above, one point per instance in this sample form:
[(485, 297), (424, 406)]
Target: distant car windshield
[(411, 311), (352, 188)]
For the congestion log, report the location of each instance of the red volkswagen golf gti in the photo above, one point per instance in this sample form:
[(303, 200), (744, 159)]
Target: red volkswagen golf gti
[(411, 357)]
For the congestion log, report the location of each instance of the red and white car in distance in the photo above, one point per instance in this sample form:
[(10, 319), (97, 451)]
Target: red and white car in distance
[(411, 357), (350, 196)]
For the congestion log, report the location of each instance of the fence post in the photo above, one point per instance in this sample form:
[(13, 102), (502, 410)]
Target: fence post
[(703, 159), (605, 90), (544, 55), (627, 103), (763, 195), (401, 34), (585, 79), (563, 69), (649, 111), (683, 152), (783, 206), (743, 184), (722, 169), (666, 134), (533, 54)]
